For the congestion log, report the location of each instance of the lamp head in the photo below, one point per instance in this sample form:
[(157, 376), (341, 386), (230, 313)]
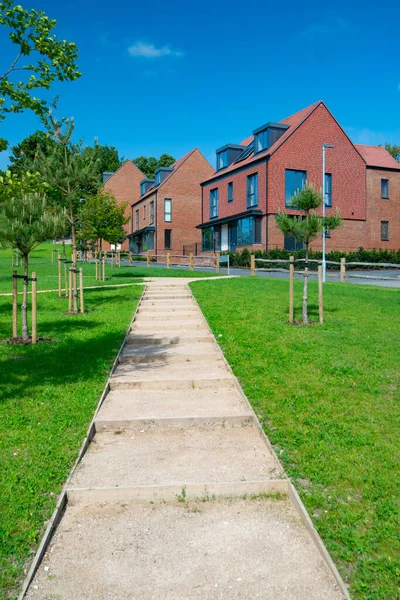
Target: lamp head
[(327, 146)]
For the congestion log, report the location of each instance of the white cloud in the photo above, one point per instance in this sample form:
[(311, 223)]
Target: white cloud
[(144, 50)]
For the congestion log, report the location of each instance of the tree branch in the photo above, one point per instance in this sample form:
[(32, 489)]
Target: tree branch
[(12, 68)]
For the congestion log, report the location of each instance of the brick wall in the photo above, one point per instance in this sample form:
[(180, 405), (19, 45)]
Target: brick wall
[(124, 184)]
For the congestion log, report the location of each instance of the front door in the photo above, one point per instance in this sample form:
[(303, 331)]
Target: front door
[(224, 238)]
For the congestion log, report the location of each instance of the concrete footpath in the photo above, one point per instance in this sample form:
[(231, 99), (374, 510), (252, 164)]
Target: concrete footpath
[(176, 496)]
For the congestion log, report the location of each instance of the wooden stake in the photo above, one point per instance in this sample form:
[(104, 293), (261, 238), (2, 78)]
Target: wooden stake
[(342, 269), (97, 269), (148, 258), (217, 262), (15, 304), (70, 292), (34, 308), (191, 265), (81, 290), (59, 276), (104, 267), (66, 280), (291, 295), (252, 265), (130, 258), (320, 296), (119, 258), (168, 260)]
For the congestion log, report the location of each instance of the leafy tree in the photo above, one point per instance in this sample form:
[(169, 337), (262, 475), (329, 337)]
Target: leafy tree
[(393, 149), (39, 56), (24, 154), (102, 218), (307, 227), (106, 157), (68, 171), (25, 222), (12, 185), (149, 166)]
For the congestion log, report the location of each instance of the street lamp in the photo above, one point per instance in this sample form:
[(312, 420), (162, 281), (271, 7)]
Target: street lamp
[(324, 147)]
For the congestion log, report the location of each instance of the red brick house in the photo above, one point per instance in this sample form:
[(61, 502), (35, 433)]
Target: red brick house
[(124, 184), (166, 214), (256, 179)]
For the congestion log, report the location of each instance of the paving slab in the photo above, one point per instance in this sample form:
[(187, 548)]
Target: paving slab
[(173, 336), (175, 456), (167, 353), (169, 404), (224, 549)]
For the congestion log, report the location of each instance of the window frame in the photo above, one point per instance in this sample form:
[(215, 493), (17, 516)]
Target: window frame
[(254, 193), (144, 211), (170, 239), (385, 236), (137, 219), (386, 183), (152, 212), (230, 191), (222, 157), (264, 135), (214, 199), (287, 196), (328, 190), (166, 212)]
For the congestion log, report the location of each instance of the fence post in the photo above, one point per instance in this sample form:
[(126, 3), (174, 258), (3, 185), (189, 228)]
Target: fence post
[(59, 275), (34, 309), (252, 265), (191, 261), (320, 296), (148, 258), (168, 260), (70, 292), (15, 304), (217, 254), (291, 295), (81, 290), (66, 279), (130, 258), (342, 269), (104, 267)]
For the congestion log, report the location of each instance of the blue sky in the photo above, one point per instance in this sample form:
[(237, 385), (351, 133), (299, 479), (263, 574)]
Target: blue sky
[(166, 77)]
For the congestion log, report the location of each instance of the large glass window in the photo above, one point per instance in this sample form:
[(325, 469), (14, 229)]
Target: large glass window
[(148, 241), (222, 160), (248, 231), (213, 203), (230, 191), (385, 188), (385, 231), (168, 239), (252, 190), (294, 183), (151, 212), (168, 210), (328, 189), (262, 140), (211, 239)]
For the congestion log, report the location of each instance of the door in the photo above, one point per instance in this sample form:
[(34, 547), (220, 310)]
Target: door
[(232, 236), (224, 238)]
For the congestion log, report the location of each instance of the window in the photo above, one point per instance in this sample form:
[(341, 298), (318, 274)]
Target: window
[(290, 243), (168, 239), (142, 188), (248, 231), (144, 211), (230, 191), (328, 189), (327, 233), (137, 219), (252, 190), (211, 239), (158, 178), (262, 140), (385, 231), (294, 182), (222, 160), (385, 189), (151, 212), (148, 241), (167, 210), (213, 203)]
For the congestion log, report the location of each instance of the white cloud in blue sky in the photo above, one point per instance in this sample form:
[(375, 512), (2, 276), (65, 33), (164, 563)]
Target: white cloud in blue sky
[(146, 50)]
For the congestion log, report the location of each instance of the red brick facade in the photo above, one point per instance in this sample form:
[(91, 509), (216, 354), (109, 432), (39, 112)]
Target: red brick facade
[(182, 187), (356, 186), (124, 184)]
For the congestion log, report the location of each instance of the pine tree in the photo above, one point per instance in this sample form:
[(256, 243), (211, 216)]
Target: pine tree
[(306, 228)]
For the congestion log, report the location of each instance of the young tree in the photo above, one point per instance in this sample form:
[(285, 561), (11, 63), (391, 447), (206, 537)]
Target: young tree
[(307, 227), (68, 171), (39, 56), (23, 155), (25, 222), (102, 218)]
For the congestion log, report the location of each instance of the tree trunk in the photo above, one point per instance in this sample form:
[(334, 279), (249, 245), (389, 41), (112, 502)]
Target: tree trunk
[(74, 280), (305, 290), (24, 306), (63, 248)]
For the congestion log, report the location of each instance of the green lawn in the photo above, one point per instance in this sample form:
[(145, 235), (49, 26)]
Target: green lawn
[(47, 272), (328, 398)]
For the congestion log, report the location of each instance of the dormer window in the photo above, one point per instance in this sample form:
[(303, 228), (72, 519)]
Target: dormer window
[(145, 185), (162, 173), (227, 155), (266, 135)]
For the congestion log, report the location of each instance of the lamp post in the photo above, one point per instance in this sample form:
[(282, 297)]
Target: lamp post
[(324, 147)]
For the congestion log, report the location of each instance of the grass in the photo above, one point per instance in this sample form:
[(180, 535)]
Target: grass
[(328, 398), (47, 272)]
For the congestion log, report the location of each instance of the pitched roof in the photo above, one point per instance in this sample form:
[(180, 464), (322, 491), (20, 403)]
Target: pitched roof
[(294, 121), (175, 167), (121, 167), (376, 156)]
